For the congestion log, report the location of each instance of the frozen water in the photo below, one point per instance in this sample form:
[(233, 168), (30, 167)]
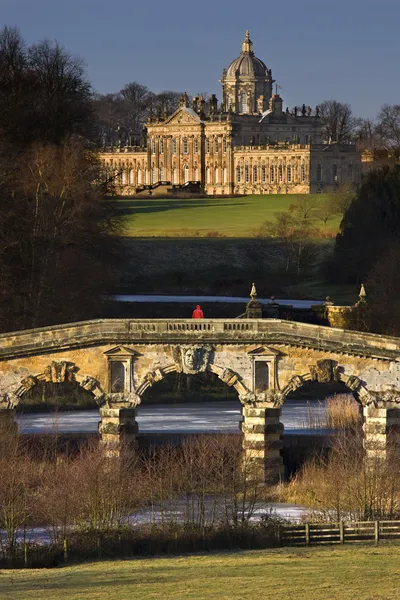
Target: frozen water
[(200, 299), (196, 417)]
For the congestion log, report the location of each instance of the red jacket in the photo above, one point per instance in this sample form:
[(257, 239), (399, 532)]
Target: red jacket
[(197, 313)]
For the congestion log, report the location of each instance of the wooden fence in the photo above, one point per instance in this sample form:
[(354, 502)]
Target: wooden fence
[(306, 534)]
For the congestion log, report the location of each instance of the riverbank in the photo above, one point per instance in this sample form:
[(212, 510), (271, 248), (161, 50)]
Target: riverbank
[(222, 267)]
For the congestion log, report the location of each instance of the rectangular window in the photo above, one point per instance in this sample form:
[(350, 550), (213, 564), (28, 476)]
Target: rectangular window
[(263, 173), (196, 146), (246, 173)]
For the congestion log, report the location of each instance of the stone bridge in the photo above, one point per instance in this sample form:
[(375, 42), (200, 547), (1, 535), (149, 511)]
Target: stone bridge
[(264, 360)]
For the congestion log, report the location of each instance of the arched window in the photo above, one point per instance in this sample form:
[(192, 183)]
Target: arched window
[(272, 174), (196, 145), (174, 146), (335, 173), (319, 173), (229, 101), (175, 176), (117, 376), (196, 174), (303, 172), (130, 176), (280, 173), (123, 177), (161, 146), (216, 175), (238, 174), (216, 145), (185, 146), (208, 175), (263, 173), (289, 174), (207, 145), (153, 146), (243, 103), (225, 175), (162, 174), (139, 177), (186, 173), (246, 173), (153, 175), (255, 174)]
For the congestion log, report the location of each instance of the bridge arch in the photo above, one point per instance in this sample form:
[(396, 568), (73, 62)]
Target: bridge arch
[(55, 372), (228, 376), (328, 371)]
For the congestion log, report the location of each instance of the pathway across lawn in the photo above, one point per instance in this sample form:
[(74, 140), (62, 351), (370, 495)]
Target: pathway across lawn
[(332, 573)]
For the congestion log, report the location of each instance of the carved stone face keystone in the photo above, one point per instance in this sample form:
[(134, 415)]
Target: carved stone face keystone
[(195, 359)]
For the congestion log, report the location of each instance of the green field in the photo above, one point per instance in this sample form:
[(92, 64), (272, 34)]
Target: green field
[(231, 217), (340, 573)]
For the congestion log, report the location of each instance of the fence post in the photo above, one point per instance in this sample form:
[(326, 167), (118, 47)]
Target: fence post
[(25, 554), (307, 534), (279, 535), (376, 533), (65, 549), (341, 532)]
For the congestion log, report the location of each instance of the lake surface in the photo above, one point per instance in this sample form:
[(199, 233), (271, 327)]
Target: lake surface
[(196, 417), (200, 299)]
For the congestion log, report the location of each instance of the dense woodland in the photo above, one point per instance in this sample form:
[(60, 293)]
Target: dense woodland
[(59, 243)]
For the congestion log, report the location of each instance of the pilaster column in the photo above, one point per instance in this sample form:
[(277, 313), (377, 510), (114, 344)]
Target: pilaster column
[(375, 432), (262, 444)]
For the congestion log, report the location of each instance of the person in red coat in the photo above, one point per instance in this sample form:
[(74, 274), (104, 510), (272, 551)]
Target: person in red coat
[(197, 313)]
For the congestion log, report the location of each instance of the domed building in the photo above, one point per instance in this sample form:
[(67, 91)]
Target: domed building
[(246, 83), (248, 144)]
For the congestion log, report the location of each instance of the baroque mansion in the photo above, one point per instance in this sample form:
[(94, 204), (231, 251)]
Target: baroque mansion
[(249, 144)]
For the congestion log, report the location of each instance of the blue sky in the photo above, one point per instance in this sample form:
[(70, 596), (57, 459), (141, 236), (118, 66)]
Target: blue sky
[(317, 49)]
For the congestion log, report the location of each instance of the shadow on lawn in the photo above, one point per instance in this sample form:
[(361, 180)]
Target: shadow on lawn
[(150, 206)]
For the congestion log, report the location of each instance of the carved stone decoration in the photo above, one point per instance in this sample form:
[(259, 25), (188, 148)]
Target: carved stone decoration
[(128, 400), (195, 359), (353, 383), (58, 372), (293, 384), (154, 376), (382, 399), (28, 383), (89, 383), (229, 377), (248, 399), (177, 357), (324, 371)]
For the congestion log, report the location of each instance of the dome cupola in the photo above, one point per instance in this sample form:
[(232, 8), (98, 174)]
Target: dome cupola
[(247, 82)]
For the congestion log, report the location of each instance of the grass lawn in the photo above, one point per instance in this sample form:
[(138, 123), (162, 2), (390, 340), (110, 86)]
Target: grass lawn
[(231, 217), (332, 573)]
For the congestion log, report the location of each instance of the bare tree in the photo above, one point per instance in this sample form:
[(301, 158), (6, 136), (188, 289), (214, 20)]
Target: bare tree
[(338, 121), (388, 127)]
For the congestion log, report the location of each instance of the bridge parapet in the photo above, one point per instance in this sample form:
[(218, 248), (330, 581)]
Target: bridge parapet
[(89, 333)]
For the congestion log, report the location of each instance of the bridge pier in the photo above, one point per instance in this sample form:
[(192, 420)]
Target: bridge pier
[(118, 426), (376, 424), (262, 443)]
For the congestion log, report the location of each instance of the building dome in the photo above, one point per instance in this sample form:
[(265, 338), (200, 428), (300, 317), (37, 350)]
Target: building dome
[(246, 83), (247, 64)]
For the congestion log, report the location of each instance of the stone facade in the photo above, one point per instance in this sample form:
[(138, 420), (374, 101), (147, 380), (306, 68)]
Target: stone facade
[(264, 360), (247, 145)]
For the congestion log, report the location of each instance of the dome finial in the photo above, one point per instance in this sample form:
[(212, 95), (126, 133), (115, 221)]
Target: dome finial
[(247, 45)]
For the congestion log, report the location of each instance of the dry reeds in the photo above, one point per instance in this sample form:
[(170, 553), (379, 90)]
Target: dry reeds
[(342, 412), (339, 412)]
